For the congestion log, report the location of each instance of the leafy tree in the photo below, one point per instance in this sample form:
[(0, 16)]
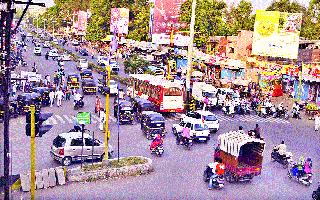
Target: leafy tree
[(311, 22), (241, 17), (209, 19), (134, 63), (286, 6), (139, 26)]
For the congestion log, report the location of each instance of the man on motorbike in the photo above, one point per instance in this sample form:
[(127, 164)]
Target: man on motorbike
[(212, 173), (295, 110), (157, 141), (281, 149), (257, 131), (185, 135), (77, 97)]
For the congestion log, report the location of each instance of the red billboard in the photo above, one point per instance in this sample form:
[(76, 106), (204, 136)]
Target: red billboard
[(166, 16)]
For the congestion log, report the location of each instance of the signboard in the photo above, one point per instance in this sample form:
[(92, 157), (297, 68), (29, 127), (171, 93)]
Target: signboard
[(276, 34), (84, 117), (165, 19), (82, 20), (119, 20), (181, 40), (31, 76)]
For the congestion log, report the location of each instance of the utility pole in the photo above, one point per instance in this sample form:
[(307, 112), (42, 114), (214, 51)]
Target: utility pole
[(190, 51)]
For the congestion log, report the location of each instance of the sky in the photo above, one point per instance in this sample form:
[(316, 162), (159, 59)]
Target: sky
[(257, 4)]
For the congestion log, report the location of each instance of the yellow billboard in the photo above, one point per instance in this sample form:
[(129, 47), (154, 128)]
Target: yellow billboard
[(276, 34)]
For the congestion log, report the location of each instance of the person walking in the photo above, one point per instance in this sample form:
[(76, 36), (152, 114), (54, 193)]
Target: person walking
[(51, 97), (102, 119), (14, 90), (59, 95), (316, 122), (97, 104)]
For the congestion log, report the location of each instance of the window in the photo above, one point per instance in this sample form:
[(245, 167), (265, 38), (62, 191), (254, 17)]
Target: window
[(89, 142), (200, 127), (59, 142), (173, 91), (76, 142), (188, 125), (210, 118)]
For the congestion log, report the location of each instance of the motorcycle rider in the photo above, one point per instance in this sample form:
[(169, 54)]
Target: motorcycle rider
[(300, 166), (157, 141), (281, 149), (205, 102), (257, 131), (212, 172), (77, 98), (308, 166), (185, 135), (295, 110)]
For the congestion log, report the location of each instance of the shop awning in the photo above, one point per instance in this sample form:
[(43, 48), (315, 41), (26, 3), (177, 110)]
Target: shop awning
[(243, 82)]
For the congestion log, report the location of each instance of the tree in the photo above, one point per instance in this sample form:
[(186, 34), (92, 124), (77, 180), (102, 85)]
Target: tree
[(286, 6), (134, 63), (209, 21), (139, 25), (311, 22), (241, 17)]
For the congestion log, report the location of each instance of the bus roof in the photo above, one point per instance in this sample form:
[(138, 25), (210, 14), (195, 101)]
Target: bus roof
[(156, 80)]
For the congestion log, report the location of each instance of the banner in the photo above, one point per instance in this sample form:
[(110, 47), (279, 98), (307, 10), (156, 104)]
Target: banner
[(166, 18), (119, 21), (276, 34), (82, 20), (311, 72)]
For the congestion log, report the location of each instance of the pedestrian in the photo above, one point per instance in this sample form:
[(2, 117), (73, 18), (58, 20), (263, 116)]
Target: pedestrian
[(257, 131), (102, 119), (14, 90), (205, 102), (97, 104), (51, 97), (316, 122), (68, 93), (59, 96)]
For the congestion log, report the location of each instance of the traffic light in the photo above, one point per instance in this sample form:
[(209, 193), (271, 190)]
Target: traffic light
[(40, 129), (39, 119)]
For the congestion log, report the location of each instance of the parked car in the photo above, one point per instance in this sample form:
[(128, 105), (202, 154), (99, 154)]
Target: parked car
[(66, 148), (37, 51), (75, 43), (65, 57), (83, 64), (114, 66), (53, 53), (102, 61), (46, 44), (89, 86), (83, 52)]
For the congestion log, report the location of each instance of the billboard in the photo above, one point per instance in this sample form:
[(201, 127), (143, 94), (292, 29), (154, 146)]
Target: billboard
[(82, 20), (119, 21), (276, 34), (166, 18)]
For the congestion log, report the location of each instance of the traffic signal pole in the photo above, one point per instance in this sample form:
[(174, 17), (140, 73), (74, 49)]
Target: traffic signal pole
[(33, 153), (107, 132)]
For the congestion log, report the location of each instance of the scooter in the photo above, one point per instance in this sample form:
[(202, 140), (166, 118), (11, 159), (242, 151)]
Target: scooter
[(263, 112), (158, 150), (284, 160), (217, 182), (305, 179), (231, 112), (316, 194), (296, 114), (78, 104), (187, 143)]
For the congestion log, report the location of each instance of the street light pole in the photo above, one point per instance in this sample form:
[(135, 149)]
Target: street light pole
[(190, 50)]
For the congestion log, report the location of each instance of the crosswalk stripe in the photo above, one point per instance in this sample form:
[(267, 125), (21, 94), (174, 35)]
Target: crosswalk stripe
[(95, 118), (60, 119), (69, 119), (51, 121)]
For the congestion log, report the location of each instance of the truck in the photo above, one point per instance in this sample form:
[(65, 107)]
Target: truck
[(200, 90), (242, 155)]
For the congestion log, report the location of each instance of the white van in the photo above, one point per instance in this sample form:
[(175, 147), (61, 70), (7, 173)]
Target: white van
[(207, 117)]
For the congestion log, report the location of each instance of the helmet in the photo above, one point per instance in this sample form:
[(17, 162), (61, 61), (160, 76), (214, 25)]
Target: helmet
[(309, 159)]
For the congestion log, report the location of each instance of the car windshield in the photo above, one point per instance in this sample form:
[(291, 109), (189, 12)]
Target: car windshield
[(157, 119), (113, 83), (200, 127), (209, 94), (59, 141), (83, 61), (210, 118), (172, 91), (156, 124)]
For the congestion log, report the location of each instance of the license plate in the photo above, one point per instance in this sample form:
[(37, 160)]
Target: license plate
[(202, 138), (158, 124)]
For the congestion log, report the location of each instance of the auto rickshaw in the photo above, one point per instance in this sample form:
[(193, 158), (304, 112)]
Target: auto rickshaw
[(122, 102), (13, 108), (44, 92), (26, 99), (73, 81), (141, 105), (89, 86), (153, 123), (126, 114), (86, 73)]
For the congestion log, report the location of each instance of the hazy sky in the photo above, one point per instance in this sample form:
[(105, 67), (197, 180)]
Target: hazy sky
[(257, 4)]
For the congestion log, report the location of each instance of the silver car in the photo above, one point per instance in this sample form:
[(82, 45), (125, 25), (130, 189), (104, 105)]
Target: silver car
[(67, 148)]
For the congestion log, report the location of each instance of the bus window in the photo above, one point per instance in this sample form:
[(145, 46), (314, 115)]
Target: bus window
[(173, 91)]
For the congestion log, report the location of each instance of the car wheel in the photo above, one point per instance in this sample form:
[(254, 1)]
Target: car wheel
[(66, 161)]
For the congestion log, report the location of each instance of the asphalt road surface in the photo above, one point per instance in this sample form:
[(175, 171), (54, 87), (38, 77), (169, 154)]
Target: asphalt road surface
[(178, 173)]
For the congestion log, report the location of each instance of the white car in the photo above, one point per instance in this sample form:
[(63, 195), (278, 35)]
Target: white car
[(53, 53), (83, 64), (46, 44), (55, 40), (198, 129), (37, 51), (207, 117), (114, 66), (65, 57), (113, 87), (75, 42), (102, 61)]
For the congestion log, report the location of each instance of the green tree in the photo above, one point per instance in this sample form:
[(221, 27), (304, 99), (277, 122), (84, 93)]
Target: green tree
[(139, 25), (210, 19), (134, 63), (286, 6), (241, 17), (311, 22)]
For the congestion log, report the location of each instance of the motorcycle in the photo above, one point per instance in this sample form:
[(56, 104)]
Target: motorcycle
[(282, 113), (316, 194), (284, 160), (158, 150), (183, 141), (262, 112), (231, 111), (217, 182), (305, 179), (296, 113), (78, 104)]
